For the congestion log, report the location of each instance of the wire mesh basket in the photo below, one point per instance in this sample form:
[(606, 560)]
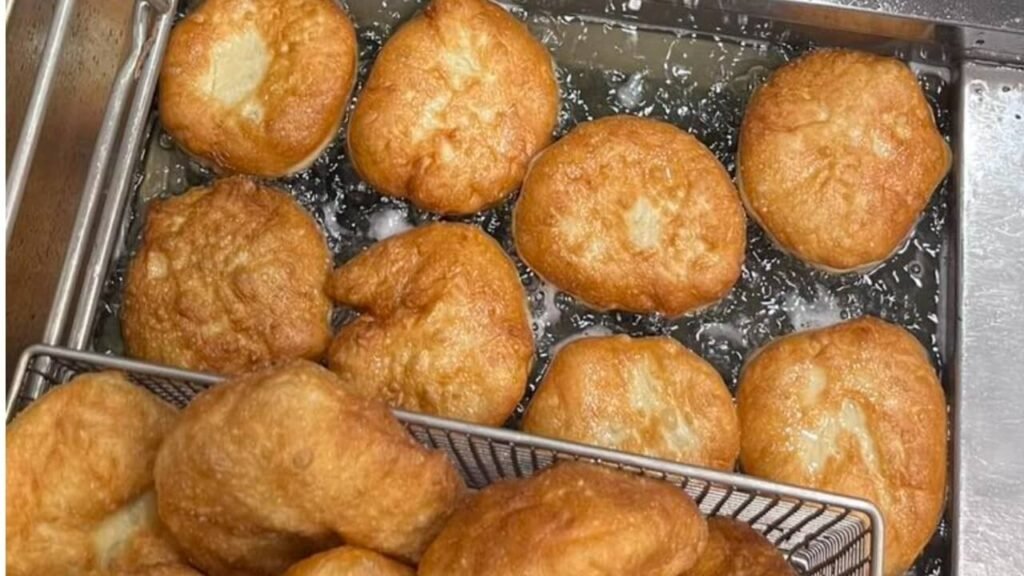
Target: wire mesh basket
[(819, 533)]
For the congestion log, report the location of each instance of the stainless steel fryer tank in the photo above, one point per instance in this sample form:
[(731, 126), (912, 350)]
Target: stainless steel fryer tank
[(976, 50)]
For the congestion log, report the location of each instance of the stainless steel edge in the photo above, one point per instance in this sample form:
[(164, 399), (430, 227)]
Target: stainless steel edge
[(743, 482), (746, 483), (18, 379), (995, 14), (989, 477), (503, 434), (28, 140), (102, 152), (120, 184)]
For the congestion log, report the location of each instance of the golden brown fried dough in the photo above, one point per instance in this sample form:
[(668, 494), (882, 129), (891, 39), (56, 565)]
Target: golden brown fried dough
[(258, 87), (574, 520), (632, 214), (444, 327), (458, 101), (268, 468), (736, 549), (229, 278), (838, 156), (857, 409), (650, 396), (79, 466), (168, 569), (349, 561)]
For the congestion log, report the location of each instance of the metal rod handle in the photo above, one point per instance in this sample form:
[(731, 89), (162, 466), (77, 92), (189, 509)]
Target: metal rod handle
[(35, 114), (127, 155), (102, 152)]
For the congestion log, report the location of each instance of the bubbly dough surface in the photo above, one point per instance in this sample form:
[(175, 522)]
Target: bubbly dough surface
[(79, 479), (269, 468), (258, 86), (856, 409), (736, 549), (349, 561), (839, 154), (572, 520), (458, 101), (443, 325), (649, 396), (229, 278), (632, 214)]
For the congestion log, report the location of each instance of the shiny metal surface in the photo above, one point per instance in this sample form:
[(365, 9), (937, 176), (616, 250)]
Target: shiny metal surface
[(32, 125), (93, 48), (1005, 14), (117, 192), (989, 488), (124, 82)]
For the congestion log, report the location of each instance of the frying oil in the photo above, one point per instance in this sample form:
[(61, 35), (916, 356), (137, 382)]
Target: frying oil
[(615, 65)]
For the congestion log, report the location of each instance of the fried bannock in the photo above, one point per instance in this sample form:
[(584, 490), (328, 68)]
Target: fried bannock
[(574, 519), (268, 468), (856, 409), (443, 325), (258, 87), (229, 278), (79, 479)]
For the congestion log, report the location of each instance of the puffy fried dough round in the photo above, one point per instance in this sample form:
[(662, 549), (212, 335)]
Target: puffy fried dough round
[(79, 466), (444, 326), (650, 396), (229, 278), (632, 214), (838, 155), (258, 87), (857, 409), (574, 520), (736, 549), (168, 569), (266, 469), (458, 101), (349, 561)]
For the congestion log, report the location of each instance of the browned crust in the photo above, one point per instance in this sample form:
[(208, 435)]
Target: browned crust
[(75, 457), (229, 278), (458, 101), (855, 408), (303, 94), (736, 549), (839, 154), (349, 561), (578, 221), (574, 520), (443, 325), (650, 396), (269, 468)]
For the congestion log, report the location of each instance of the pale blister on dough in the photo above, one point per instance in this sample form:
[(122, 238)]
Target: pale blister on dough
[(266, 469), (229, 278), (632, 214), (648, 396), (736, 549), (258, 86), (79, 476), (838, 156), (458, 101), (443, 325), (856, 409), (349, 561), (574, 519)]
